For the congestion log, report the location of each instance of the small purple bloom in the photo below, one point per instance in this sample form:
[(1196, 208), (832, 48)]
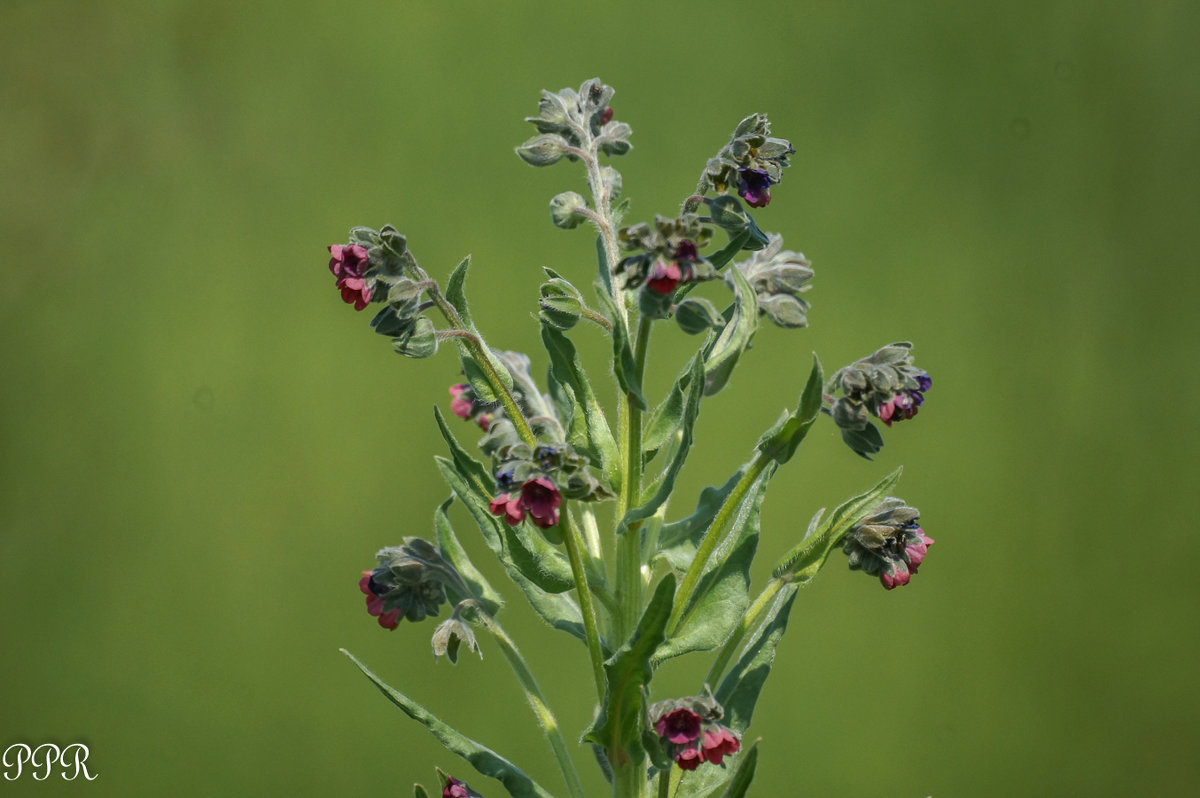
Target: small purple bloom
[(541, 498), (754, 186), (680, 726)]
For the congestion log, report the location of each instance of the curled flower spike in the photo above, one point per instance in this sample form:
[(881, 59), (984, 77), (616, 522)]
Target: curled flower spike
[(885, 384), (409, 582), (349, 264), (888, 543), (751, 162), (690, 733)]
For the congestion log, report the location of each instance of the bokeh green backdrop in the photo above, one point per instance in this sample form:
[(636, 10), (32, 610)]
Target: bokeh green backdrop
[(201, 446)]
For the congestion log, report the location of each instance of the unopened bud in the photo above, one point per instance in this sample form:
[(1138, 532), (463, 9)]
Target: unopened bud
[(565, 210), (561, 304), (695, 315), (542, 150)]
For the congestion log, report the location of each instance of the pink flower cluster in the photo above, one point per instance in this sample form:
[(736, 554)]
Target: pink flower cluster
[(462, 404), (666, 275), (349, 264), (689, 741), (538, 497), (901, 571), (388, 620)]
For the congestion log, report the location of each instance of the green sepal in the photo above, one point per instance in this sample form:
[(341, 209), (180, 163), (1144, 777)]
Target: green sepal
[(420, 342), (722, 356), (781, 440), (482, 758), (864, 442), (807, 558), (588, 431), (740, 689), (722, 595), (419, 791), (456, 294), (623, 363), (456, 555), (618, 727), (666, 481)]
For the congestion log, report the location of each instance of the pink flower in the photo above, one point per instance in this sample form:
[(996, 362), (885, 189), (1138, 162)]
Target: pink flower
[(388, 620), (689, 759), (355, 291), (718, 744), (458, 405), (895, 575), (541, 498), (455, 789), (680, 726), (349, 264), (509, 506), (915, 552), (664, 276)]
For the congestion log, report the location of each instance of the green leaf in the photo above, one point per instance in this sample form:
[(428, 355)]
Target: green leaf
[(589, 431), (865, 442), (740, 689), (477, 375), (456, 555), (780, 441), (722, 595), (723, 355), (807, 558), (456, 291), (618, 728), (666, 483), (623, 363), (727, 253), (744, 774), (482, 758), (678, 540)]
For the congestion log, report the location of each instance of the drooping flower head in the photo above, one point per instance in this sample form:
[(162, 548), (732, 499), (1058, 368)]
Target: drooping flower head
[(750, 163), (754, 186), (885, 384), (668, 256), (409, 583), (690, 732), (888, 543)]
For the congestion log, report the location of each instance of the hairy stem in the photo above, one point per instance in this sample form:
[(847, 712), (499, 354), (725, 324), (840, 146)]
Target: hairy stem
[(630, 582), (574, 544)]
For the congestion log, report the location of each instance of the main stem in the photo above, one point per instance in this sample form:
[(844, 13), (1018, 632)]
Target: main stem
[(574, 543), (629, 543)]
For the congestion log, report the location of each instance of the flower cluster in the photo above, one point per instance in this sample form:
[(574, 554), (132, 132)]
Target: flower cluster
[(888, 543), (409, 583), (778, 277), (569, 120), (538, 497), (668, 256), (752, 161), (689, 731), (884, 384)]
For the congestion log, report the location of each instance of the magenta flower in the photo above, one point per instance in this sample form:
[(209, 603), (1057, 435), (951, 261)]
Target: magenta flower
[(903, 405), (718, 744), (754, 186), (541, 498), (509, 506), (916, 550), (457, 789), (689, 759), (681, 726), (664, 276), (349, 264), (388, 620)]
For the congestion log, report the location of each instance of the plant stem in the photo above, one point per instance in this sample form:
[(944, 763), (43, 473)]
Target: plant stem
[(748, 622), (479, 351), (715, 533), (629, 543), (533, 693), (574, 544)]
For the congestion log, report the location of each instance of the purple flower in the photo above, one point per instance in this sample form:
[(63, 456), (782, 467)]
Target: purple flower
[(541, 498), (349, 264), (754, 186), (888, 543), (680, 726), (718, 744), (903, 405), (388, 620)]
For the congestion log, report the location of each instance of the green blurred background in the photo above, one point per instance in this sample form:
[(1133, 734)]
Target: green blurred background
[(201, 446)]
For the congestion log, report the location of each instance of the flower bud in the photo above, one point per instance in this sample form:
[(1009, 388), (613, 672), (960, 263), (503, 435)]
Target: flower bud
[(565, 209), (418, 343), (542, 150), (695, 315), (561, 304)]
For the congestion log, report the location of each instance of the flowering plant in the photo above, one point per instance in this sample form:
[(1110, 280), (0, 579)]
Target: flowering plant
[(650, 585)]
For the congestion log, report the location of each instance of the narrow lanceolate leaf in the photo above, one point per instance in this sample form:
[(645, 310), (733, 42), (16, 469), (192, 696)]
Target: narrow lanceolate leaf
[(780, 442), (589, 431), (618, 728), (740, 689), (727, 253), (456, 555), (456, 291), (724, 353), (623, 364), (477, 376), (740, 783), (721, 597), (482, 758), (666, 482), (806, 559)]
